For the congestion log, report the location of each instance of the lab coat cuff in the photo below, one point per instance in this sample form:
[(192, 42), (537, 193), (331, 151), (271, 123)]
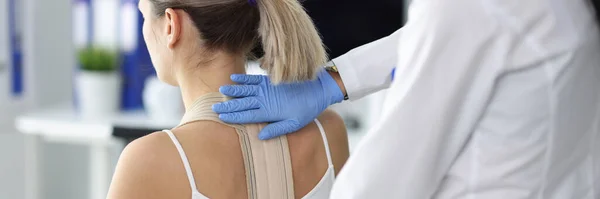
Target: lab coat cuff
[(349, 76)]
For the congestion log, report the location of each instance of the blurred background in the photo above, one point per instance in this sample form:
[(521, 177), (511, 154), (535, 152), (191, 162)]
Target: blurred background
[(67, 109)]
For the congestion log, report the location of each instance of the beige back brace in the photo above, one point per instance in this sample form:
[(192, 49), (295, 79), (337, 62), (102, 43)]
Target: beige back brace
[(268, 164)]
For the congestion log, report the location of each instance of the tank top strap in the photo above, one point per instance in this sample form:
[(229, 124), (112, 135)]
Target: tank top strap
[(184, 159), (325, 142)]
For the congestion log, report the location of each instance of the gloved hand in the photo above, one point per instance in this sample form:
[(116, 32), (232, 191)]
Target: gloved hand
[(290, 106)]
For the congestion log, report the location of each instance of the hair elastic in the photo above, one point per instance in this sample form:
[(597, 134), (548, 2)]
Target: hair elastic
[(252, 2)]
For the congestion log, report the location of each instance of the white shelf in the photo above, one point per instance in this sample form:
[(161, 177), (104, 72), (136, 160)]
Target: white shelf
[(66, 124)]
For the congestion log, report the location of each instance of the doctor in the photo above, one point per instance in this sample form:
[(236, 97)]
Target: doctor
[(490, 99)]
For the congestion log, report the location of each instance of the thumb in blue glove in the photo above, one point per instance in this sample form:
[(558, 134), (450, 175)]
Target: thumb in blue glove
[(288, 106)]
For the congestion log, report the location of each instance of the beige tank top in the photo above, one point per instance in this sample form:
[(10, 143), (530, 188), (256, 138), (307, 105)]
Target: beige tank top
[(267, 163)]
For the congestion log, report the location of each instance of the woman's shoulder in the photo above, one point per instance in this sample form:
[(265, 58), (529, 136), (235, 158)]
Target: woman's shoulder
[(337, 136), (332, 122), (144, 166), (153, 163), (148, 153), (154, 149)]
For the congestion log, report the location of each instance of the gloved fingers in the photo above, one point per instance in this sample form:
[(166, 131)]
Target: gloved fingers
[(243, 117), (240, 90), (247, 79), (278, 129), (237, 105)]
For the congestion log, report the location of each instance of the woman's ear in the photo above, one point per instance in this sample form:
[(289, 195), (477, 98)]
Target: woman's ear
[(173, 27)]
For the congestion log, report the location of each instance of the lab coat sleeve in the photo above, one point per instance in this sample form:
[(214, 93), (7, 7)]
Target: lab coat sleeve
[(368, 68), (450, 58)]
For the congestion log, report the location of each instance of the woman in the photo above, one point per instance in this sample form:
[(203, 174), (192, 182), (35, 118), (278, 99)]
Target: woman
[(197, 45)]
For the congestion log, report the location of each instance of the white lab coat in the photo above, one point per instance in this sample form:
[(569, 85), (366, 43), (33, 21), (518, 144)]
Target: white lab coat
[(491, 99)]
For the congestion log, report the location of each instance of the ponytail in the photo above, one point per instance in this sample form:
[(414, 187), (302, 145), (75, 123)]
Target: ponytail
[(292, 46), (293, 50)]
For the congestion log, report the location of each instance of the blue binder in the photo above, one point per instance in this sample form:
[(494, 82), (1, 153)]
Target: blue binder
[(137, 65), (16, 64)]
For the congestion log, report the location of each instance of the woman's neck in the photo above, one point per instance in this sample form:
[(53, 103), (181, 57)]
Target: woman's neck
[(198, 80)]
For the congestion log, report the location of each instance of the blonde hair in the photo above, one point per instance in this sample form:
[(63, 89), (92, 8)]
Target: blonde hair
[(293, 49)]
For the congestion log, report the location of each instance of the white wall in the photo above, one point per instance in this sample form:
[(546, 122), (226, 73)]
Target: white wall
[(49, 56)]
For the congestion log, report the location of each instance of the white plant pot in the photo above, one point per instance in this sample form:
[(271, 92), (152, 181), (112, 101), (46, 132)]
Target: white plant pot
[(98, 94), (162, 101)]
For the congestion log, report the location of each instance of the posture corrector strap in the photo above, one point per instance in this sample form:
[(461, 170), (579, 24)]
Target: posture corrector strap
[(267, 163)]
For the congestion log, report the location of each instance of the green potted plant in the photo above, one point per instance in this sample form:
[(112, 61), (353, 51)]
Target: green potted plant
[(98, 82)]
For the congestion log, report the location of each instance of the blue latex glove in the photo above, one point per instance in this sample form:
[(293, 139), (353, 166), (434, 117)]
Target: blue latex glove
[(289, 106)]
